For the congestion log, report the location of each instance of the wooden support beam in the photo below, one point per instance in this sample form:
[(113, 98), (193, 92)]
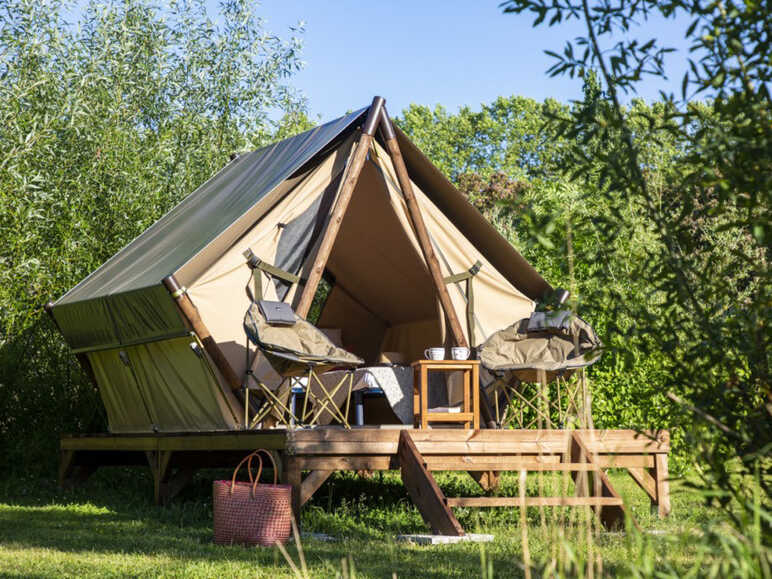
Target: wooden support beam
[(159, 462), (663, 485), (348, 185), (612, 516), (71, 473), (190, 313), (643, 479), (420, 229), (174, 483), (488, 480), (532, 501), (423, 490), (65, 465), (311, 484)]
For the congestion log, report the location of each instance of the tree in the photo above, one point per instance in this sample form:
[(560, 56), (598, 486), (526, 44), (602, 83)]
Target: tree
[(105, 126), (706, 210)]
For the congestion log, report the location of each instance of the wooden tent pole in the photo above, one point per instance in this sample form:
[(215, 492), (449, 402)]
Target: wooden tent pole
[(420, 228), (190, 313), (333, 225)]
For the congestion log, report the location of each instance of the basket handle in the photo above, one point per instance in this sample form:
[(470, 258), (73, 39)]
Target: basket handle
[(248, 460), (273, 464)]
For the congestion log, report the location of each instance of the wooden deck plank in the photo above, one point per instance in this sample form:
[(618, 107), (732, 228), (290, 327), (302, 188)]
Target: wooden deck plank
[(350, 462), (229, 441), (627, 441), (485, 464)]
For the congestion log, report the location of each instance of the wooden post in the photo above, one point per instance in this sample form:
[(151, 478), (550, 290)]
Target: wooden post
[(333, 225), (293, 476), (420, 229), (159, 462), (426, 246), (190, 313), (663, 485), (487, 479)]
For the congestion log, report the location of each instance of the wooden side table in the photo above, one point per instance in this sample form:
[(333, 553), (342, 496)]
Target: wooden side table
[(470, 414)]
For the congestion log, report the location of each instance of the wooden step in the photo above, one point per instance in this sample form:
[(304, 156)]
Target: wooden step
[(423, 490)]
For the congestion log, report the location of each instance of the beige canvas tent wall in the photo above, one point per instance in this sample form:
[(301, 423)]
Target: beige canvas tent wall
[(160, 368)]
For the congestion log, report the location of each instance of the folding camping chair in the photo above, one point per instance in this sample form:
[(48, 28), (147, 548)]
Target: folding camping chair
[(295, 349), (531, 362)]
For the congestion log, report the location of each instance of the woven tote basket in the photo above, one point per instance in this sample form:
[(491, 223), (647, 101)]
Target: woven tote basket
[(250, 513)]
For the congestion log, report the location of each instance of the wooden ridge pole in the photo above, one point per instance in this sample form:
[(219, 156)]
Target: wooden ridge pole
[(336, 218), (420, 229), (190, 313)]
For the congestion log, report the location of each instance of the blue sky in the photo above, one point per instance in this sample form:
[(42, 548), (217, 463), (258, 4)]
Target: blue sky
[(432, 52)]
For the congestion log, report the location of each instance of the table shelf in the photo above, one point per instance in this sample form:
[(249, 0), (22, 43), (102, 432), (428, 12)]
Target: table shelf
[(470, 414)]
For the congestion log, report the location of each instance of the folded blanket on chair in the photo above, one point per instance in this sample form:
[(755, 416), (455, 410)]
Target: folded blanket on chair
[(559, 320), (277, 313)]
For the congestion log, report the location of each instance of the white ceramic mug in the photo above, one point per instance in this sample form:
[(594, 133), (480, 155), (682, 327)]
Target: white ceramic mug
[(435, 353), (460, 353)]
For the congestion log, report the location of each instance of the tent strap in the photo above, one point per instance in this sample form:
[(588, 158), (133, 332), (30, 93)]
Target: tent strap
[(257, 266), (467, 276)]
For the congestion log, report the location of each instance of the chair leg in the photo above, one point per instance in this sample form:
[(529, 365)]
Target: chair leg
[(325, 402), (272, 402), (328, 403)]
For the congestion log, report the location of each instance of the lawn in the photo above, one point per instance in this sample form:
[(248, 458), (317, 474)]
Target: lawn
[(109, 527)]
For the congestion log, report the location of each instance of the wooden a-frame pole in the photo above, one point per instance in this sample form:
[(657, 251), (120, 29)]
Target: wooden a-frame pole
[(347, 189), (420, 229), (377, 115), (426, 247)]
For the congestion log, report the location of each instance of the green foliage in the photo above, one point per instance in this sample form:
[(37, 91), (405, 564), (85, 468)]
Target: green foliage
[(106, 125), (706, 211)]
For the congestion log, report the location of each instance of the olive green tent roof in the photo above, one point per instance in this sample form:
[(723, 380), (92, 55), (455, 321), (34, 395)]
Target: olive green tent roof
[(202, 216), (124, 302)]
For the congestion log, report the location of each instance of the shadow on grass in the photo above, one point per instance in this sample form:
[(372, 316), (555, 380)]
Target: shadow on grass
[(113, 513)]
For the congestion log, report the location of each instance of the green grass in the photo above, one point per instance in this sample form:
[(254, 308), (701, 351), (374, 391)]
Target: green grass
[(109, 527)]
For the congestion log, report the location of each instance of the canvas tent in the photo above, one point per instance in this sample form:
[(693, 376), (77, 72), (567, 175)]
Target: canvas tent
[(160, 323)]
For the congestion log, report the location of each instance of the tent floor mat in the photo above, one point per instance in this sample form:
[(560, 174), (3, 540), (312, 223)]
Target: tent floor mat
[(174, 457)]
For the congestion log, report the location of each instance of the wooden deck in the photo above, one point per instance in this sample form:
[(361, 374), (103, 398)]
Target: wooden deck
[(173, 458)]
